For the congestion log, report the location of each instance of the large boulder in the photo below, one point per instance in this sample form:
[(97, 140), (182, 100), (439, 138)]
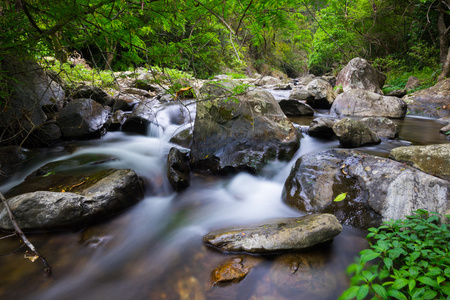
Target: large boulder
[(383, 127), (353, 133), (296, 108), (432, 159), (142, 116), (301, 94), (359, 74), (288, 234), (378, 189), (83, 118), (323, 92), (240, 131), (321, 128), (431, 102), (32, 95), (362, 103), (77, 201)]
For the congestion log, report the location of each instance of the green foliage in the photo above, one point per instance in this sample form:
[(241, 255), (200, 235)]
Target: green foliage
[(340, 197), (407, 259)]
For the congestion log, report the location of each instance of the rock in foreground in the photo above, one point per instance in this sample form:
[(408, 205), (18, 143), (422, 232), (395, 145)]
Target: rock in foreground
[(287, 234)]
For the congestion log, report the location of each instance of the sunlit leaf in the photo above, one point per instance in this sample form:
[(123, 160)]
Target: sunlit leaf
[(340, 197)]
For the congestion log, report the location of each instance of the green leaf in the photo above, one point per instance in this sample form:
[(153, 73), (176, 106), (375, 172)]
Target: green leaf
[(387, 262), (380, 290), (428, 281), (411, 284), (340, 197), (430, 294), (368, 255), (362, 292), (397, 295), (350, 293), (399, 283)]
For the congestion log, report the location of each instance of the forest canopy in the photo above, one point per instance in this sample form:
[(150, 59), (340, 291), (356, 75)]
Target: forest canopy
[(207, 37)]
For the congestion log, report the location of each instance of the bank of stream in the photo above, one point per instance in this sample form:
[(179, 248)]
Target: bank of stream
[(154, 250)]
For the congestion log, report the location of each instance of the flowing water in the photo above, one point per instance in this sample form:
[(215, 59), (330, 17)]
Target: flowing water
[(154, 250)]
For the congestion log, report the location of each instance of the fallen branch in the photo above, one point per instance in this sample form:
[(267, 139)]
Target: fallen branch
[(33, 252)]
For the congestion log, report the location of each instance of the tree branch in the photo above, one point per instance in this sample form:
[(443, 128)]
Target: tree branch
[(47, 268)]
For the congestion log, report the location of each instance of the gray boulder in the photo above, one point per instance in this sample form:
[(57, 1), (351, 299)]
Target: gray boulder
[(431, 102), (352, 133), (359, 74), (383, 127), (296, 108), (301, 94), (431, 159), (323, 92), (97, 196), (362, 103), (141, 117), (378, 189), (321, 127), (240, 132), (83, 118), (412, 83), (289, 234)]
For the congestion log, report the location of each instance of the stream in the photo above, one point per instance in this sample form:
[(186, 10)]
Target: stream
[(154, 250)]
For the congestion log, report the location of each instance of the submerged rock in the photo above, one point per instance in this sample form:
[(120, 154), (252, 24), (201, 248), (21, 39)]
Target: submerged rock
[(239, 131), (361, 103), (232, 271), (378, 189), (287, 234), (75, 201), (431, 159)]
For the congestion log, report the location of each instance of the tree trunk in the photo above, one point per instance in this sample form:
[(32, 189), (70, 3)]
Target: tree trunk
[(443, 40), (446, 68)]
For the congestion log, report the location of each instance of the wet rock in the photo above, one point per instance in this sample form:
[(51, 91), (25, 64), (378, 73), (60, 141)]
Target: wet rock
[(431, 159), (76, 201), (287, 234), (445, 130), (178, 171), (141, 117), (378, 189), (48, 133), (383, 127), (352, 133), (183, 138), (296, 108), (139, 92), (323, 92), (301, 94), (240, 132), (125, 102), (116, 120), (83, 118), (230, 272), (93, 92), (321, 127), (367, 104), (359, 74), (431, 102), (283, 87)]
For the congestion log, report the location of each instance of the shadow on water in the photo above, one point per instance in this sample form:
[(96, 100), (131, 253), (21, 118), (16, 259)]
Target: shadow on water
[(154, 250)]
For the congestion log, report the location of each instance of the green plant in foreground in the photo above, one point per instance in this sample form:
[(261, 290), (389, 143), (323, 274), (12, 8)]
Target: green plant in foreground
[(407, 259)]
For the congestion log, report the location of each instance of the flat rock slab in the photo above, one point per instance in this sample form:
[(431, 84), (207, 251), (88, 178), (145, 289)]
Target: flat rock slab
[(288, 234)]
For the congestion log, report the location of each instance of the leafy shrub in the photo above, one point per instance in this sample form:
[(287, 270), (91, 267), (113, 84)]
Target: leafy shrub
[(407, 259)]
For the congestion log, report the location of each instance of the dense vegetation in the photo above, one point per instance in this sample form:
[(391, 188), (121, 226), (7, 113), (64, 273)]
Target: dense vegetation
[(209, 37), (407, 259)]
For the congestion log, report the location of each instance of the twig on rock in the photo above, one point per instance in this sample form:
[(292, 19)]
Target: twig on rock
[(33, 252)]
